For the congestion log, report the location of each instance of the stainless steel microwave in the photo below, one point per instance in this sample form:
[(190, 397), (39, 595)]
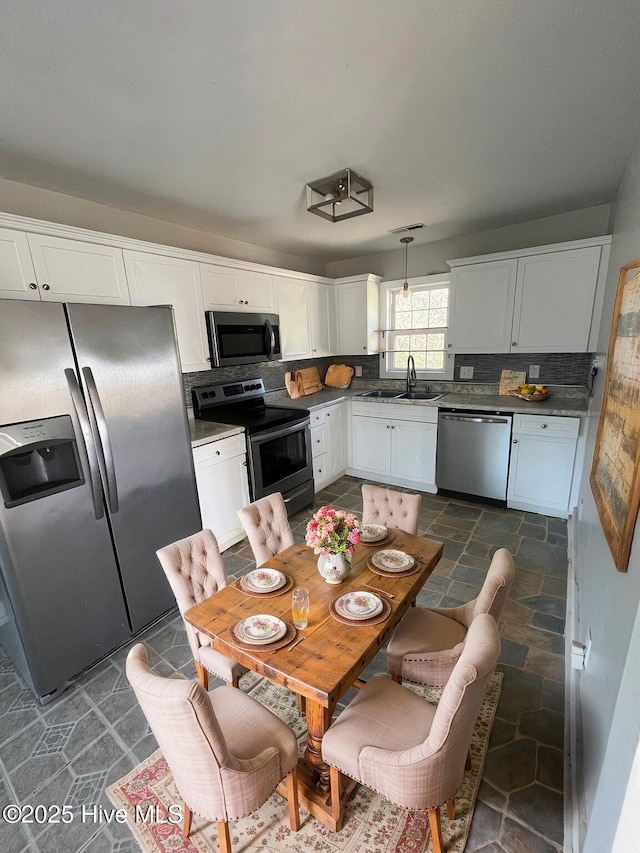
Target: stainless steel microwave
[(238, 338)]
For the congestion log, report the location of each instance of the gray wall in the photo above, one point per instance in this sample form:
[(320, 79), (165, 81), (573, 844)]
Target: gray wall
[(429, 258), (608, 600), (24, 200)]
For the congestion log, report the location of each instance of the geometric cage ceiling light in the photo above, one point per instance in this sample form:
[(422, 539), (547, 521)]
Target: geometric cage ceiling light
[(340, 196)]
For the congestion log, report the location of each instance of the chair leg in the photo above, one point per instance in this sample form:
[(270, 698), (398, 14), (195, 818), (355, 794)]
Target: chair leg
[(336, 809), (436, 832), (302, 703), (224, 839), (397, 678), (186, 821), (203, 675), (467, 764), (451, 809), (292, 798)]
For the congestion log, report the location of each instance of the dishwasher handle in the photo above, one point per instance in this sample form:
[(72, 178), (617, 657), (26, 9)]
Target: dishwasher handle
[(476, 419)]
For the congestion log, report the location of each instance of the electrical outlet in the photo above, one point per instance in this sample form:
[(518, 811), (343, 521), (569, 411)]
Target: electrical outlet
[(534, 371), (358, 369), (466, 372)]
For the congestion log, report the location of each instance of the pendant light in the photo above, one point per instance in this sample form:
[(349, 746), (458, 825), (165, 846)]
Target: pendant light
[(404, 293)]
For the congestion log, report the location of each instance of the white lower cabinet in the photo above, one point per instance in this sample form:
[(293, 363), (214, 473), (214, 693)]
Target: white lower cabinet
[(223, 487), (543, 451), (394, 444), (328, 444)]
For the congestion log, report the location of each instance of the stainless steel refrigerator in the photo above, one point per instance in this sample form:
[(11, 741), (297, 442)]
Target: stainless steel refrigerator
[(96, 474)]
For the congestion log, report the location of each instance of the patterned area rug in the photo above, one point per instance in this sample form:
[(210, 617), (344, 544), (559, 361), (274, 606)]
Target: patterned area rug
[(372, 824)]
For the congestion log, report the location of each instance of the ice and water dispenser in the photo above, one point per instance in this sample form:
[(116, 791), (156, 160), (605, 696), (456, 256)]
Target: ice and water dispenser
[(38, 458)]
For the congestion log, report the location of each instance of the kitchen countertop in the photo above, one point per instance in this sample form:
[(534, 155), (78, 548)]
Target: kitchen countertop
[(203, 432), (554, 405)]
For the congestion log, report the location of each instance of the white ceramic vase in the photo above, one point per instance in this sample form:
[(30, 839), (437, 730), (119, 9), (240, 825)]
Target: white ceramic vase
[(333, 567)]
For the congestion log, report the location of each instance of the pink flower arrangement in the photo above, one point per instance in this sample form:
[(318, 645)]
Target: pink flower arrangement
[(333, 531)]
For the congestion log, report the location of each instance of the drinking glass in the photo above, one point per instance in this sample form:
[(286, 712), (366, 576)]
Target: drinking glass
[(300, 606)]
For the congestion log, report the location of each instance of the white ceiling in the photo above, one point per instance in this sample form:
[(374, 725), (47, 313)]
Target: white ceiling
[(464, 114)]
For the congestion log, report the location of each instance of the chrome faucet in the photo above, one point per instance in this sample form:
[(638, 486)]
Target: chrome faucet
[(411, 374)]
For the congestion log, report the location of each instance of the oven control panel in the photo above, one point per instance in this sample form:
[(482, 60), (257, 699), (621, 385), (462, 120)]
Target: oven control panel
[(215, 395)]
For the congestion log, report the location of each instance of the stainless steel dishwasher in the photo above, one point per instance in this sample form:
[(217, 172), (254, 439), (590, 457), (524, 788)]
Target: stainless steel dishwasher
[(473, 452)]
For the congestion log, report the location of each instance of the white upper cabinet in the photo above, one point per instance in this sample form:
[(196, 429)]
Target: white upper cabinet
[(554, 301), (228, 289), (17, 275), (55, 269), (306, 316), (357, 315), (161, 280), (321, 318), (483, 296), (292, 305), (547, 299)]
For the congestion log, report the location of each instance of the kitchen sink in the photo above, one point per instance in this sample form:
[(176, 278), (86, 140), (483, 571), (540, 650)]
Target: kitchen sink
[(382, 393), (419, 395)]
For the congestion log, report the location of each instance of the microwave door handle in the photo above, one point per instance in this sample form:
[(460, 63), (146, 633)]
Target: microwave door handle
[(272, 337), (104, 443), (89, 443)]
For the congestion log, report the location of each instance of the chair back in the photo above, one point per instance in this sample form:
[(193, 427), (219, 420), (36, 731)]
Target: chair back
[(181, 717), (391, 508), (267, 527), (194, 568), (495, 589), (445, 749)]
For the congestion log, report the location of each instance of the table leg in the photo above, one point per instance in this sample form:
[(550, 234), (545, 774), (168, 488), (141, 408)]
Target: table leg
[(318, 720)]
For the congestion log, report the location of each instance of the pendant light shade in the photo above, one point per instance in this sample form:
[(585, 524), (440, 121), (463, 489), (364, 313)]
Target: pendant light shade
[(404, 293)]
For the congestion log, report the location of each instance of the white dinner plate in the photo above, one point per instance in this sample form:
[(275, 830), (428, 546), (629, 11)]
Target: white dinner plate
[(372, 532), (264, 580), (358, 605), (261, 629), (392, 560)]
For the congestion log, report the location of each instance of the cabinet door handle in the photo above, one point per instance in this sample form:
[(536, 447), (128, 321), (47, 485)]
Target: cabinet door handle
[(515, 440), (217, 453), (543, 426), (46, 287), (514, 343), (33, 286)]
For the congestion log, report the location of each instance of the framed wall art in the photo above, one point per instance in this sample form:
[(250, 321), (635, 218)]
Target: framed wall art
[(615, 471)]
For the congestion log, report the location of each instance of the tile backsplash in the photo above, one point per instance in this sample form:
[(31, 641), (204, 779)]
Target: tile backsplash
[(555, 369)]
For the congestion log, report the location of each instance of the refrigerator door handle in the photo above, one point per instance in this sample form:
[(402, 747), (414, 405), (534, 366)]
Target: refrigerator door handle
[(89, 443), (104, 443)]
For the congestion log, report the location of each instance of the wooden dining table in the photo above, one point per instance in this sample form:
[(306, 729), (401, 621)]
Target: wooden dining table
[(326, 664)]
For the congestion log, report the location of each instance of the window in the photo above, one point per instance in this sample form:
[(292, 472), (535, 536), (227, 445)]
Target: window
[(416, 325)]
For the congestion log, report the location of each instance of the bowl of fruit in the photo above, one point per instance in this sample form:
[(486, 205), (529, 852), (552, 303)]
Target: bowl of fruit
[(531, 393)]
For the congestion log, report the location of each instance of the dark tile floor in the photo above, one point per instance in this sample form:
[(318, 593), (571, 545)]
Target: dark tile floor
[(69, 751)]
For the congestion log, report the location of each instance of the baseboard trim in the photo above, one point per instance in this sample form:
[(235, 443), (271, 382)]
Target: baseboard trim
[(572, 808)]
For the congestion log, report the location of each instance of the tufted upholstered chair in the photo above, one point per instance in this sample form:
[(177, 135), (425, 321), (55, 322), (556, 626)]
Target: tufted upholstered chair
[(267, 526), (227, 752), (195, 569), (391, 508), (428, 641), (418, 765)]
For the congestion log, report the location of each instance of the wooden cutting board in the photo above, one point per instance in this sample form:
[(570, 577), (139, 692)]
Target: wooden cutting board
[(293, 386), (309, 379)]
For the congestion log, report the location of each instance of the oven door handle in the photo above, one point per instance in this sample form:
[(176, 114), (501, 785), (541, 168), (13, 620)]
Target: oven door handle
[(271, 335), (278, 432)]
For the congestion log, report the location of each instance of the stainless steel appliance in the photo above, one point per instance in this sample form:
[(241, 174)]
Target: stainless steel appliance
[(278, 439), (96, 473), (237, 338), (473, 453)]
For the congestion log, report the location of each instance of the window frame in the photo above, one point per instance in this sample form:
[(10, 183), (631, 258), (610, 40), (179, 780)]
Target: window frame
[(387, 290)]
